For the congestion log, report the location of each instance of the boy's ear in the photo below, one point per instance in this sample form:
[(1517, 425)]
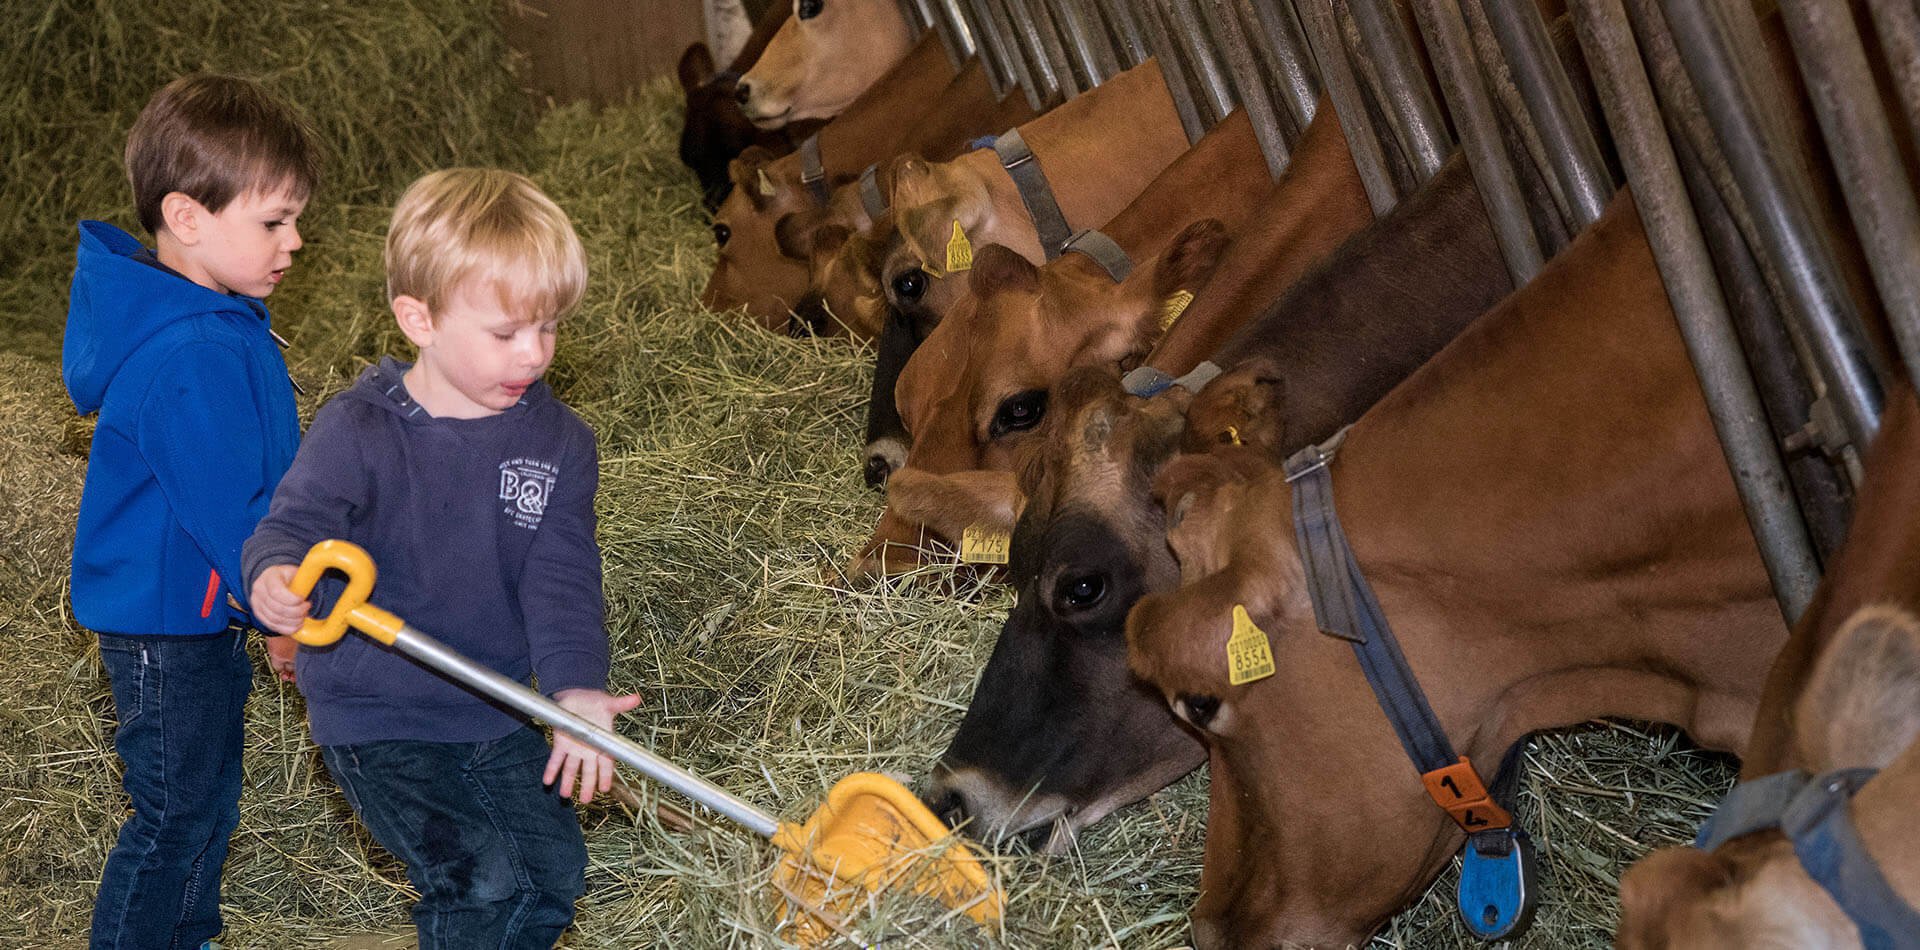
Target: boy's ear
[(416, 320), (180, 215)]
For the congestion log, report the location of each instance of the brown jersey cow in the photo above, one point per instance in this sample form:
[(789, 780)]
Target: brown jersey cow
[(822, 59), (714, 131)]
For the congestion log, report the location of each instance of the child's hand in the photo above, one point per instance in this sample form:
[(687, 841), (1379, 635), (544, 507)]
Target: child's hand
[(273, 601), (573, 759), (280, 654)]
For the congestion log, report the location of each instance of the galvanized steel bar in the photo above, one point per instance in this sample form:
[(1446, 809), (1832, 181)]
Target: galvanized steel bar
[(1569, 143), (926, 18), (1292, 60), (1054, 48), (1027, 36), (997, 23), (993, 50), (1445, 32), (1230, 36), (1086, 41), (1349, 103), (1133, 46), (1698, 306), (915, 12), (955, 29), (1408, 101), (1897, 23), (1786, 228), (1860, 143), (1197, 46), (1161, 44)]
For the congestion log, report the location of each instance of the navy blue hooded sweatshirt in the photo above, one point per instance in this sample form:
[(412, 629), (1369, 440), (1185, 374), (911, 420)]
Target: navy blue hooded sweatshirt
[(197, 424), (482, 533)]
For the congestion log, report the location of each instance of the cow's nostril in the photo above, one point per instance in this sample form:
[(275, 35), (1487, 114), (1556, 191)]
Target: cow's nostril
[(742, 92), (1200, 710), (950, 806), (877, 471)]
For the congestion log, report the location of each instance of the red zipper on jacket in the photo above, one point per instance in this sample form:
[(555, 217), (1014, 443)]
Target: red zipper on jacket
[(213, 587)]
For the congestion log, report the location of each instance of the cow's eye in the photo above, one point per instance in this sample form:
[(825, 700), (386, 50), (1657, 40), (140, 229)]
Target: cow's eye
[(1018, 413), (1198, 710), (1080, 592), (808, 9), (721, 233), (910, 285)]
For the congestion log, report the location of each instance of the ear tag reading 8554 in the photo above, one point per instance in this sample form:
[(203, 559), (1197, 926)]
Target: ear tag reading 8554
[(959, 249), (1172, 307), (982, 544), (1248, 656)]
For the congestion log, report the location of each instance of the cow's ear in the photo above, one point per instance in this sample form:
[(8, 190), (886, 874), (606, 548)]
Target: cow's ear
[(750, 177), (927, 230), (797, 233), (1243, 406), (1190, 259), (1861, 706), (696, 67), (950, 504), (998, 270)]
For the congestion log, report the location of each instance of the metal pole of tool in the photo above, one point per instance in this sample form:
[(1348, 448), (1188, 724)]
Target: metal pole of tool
[(1573, 152), (1897, 23), (1445, 31), (1291, 62), (1133, 46), (1698, 306), (1027, 37), (1161, 44), (1086, 41), (1860, 143), (1349, 104), (1197, 45), (1786, 227), (1409, 104), (1223, 21)]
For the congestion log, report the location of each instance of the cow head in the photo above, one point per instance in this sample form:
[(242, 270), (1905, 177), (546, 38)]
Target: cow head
[(1860, 708), (751, 271), (822, 59), (1059, 734), (715, 131)]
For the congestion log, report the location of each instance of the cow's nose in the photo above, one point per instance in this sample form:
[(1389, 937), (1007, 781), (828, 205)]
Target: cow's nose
[(950, 805), (742, 92), (877, 471)]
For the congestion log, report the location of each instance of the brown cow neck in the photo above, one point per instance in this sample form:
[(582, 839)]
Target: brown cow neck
[(1878, 564), (868, 130)]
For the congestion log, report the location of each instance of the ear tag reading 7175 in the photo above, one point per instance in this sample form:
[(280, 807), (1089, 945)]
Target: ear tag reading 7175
[(959, 250), (1172, 307), (1498, 893), (981, 544), (1249, 657)]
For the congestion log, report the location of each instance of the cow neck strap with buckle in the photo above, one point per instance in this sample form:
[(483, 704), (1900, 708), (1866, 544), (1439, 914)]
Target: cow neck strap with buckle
[(1497, 889), (871, 200), (1812, 812), (1035, 193), (1147, 382), (813, 173), (1104, 250)]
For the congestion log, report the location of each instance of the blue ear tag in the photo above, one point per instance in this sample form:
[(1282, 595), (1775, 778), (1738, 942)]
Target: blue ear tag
[(1498, 893)]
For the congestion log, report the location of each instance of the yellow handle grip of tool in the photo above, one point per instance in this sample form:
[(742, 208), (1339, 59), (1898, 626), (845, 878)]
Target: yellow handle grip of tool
[(352, 608)]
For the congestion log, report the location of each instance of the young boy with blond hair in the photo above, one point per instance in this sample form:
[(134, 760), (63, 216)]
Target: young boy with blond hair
[(472, 488), (197, 424)]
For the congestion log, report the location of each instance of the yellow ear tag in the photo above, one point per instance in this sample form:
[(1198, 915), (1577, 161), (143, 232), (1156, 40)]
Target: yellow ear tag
[(1232, 436), (766, 184), (1248, 656), (1172, 307), (959, 250), (980, 544)]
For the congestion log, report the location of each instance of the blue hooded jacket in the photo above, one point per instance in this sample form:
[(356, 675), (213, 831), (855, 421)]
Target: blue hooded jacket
[(197, 425)]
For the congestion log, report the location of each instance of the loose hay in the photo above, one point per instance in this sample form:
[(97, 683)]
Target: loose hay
[(728, 481)]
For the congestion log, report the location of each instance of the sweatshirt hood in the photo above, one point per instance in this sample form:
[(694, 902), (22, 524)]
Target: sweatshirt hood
[(384, 385), (120, 301)]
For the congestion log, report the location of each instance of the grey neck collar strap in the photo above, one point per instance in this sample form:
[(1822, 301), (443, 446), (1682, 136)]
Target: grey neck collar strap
[(1145, 381), (1812, 813), (1035, 193), (813, 173), (1105, 252), (871, 200)]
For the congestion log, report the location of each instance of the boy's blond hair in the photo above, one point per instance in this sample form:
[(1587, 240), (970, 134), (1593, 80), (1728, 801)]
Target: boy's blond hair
[(213, 139), (484, 224)]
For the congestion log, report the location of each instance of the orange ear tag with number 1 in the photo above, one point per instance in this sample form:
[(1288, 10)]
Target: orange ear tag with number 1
[(1249, 657)]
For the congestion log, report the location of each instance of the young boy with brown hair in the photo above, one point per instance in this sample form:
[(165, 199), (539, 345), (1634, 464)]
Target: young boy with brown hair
[(472, 488), (197, 424)]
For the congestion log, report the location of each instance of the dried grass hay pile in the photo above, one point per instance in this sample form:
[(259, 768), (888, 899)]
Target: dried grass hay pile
[(728, 480)]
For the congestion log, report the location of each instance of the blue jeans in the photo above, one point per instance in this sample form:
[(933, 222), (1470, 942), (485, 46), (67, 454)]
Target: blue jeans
[(179, 704), (498, 859)]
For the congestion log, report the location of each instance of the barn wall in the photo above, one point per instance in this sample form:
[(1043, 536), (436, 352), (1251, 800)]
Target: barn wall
[(600, 50)]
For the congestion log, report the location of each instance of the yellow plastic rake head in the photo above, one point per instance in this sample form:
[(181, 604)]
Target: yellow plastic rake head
[(873, 835)]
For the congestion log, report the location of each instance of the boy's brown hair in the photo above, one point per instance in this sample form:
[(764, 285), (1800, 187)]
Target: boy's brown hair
[(214, 138), (484, 224)]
